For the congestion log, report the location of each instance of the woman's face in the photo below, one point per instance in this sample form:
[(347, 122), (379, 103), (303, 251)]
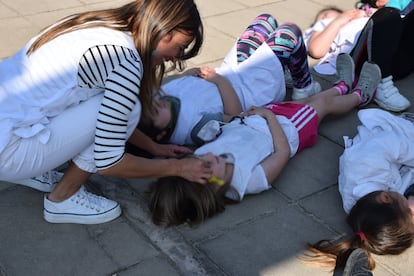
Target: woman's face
[(171, 47), (217, 163)]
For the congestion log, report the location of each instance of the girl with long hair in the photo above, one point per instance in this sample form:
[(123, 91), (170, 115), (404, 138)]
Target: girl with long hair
[(375, 183)]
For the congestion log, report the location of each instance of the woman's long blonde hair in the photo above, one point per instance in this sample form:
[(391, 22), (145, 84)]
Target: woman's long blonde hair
[(148, 21)]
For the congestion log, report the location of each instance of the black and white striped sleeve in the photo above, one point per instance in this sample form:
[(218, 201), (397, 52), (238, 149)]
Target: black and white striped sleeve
[(118, 71)]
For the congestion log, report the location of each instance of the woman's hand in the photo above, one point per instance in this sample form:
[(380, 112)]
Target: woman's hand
[(195, 170)]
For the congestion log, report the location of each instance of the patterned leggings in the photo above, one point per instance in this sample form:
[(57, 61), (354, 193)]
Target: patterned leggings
[(285, 41)]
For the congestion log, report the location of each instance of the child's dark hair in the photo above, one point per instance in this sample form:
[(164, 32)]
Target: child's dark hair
[(371, 3), (148, 128), (175, 200), (380, 228)]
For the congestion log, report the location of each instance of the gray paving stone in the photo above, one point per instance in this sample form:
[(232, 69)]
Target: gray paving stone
[(263, 244), (300, 178)]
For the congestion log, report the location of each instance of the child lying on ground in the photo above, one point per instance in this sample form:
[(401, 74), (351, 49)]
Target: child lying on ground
[(253, 70), (268, 141), (376, 171)]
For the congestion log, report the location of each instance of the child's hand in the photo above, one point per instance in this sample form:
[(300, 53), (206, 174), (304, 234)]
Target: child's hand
[(265, 113), (209, 74), (350, 15)]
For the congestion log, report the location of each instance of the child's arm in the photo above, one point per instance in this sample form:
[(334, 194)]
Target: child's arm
[(274, 164), (195, 72), (142, 141), (231, 102), (320, 42)]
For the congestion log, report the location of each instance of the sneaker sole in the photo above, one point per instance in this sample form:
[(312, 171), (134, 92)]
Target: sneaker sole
[(390, 108), (82, 219)]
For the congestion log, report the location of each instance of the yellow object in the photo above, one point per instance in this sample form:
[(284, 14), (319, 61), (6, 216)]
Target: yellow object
[(216, 180)]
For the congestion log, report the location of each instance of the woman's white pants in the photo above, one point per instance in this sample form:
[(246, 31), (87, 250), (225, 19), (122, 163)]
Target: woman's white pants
[(72, 137)]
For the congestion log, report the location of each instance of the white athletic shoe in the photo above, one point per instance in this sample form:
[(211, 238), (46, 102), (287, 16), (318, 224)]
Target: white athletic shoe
[(45, 182), (388, 96), (306, 92), (82, 207)]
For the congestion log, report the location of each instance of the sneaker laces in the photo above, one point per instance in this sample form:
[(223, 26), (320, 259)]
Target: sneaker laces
[(89, 200), (49, 177), (363, 84)]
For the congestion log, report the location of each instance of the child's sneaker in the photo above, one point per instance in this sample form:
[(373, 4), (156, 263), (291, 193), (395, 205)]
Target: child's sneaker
[(44, 183), (82, 207), (306, 92), (368, 81), (388, 96), (345, 69)]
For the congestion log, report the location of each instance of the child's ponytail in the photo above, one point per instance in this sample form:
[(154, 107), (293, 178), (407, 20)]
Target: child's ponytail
[(331, 253), (382, 225)]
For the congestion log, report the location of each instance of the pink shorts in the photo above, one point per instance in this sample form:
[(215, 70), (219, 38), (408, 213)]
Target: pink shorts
[(303, 117)]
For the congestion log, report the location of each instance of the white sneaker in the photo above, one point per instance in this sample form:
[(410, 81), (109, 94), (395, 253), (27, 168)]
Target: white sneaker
[(82, 207), (388, 96), (45, 182), (306, 92)]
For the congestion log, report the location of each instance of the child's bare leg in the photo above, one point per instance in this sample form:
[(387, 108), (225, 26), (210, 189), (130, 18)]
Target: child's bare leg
[(332, 102), (341, 88), (338, 100)]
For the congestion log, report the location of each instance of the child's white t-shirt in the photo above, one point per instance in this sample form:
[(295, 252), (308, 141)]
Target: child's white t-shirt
[(250, 143), (257, 81), (344, 42)]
